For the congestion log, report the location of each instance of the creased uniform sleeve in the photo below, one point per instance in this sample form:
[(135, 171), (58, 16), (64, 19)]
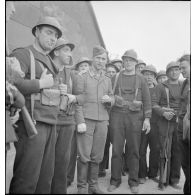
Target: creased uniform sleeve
[(146, 99), (81, 89), (25, 85), (156, 100)]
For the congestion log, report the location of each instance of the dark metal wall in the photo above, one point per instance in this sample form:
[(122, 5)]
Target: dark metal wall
[(76, 17)]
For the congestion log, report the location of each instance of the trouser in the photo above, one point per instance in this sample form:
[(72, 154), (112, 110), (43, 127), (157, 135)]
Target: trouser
[(151, 139), (185, 151), (105, 162), (125, 126), (73, 159), (62, 158), (90, 147), (34, 162), (172, 150)]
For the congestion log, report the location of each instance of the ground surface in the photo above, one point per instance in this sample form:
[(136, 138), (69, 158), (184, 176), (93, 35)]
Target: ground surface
[(150, 187)]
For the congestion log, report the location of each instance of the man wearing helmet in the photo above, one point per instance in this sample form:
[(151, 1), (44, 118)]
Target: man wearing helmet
[(129, 116), (166, 106), (150, 139), (161, 76), (34, 162)]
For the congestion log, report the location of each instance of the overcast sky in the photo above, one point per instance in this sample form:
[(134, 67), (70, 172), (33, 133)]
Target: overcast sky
[(158, 31)]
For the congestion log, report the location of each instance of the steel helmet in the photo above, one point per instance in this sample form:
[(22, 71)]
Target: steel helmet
[(161, 73), (140, 62), (48, 21), (150, 68), (81, 60), (111, 64), (130, 54), (171, 65)]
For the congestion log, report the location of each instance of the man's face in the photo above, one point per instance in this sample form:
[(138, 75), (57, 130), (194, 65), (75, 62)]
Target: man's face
[(65, 55), (149, 77), (162, 79), (173, 73), (100, 61), (129, 64), (84, 66), (111, 71), (10, 9), (139, 68), (47, 37), (185, 69), (118, 65)]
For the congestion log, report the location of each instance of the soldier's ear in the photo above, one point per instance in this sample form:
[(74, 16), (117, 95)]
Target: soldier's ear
[(56, 52)]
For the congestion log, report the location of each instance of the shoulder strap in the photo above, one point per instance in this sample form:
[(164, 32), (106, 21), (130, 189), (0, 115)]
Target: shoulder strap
[(32, 76), (136, 86), (167, 94), (115, 82)]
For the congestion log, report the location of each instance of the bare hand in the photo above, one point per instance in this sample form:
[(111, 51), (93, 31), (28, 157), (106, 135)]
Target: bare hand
[(15, 118), (168, 115), (106, 99), (81, 128), (146, 125), (46, 80), (71, 98)]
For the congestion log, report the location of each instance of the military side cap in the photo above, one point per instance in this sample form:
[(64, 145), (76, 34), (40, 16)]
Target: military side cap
[(48, 21), (99, 50), (150, 68), (140, 62), (130, 54), (161, 73), (171, 65), (81, 60)]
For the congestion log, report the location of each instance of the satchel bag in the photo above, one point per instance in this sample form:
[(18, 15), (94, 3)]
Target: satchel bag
[(50, 97)]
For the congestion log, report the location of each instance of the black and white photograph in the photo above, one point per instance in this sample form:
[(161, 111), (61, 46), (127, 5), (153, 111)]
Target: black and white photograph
[(97, 97)]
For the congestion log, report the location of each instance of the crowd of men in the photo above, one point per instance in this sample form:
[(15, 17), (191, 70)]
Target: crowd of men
[(79, 110)]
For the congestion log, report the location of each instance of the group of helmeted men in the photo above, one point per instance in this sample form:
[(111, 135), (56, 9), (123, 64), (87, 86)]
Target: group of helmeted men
[(79, 109)]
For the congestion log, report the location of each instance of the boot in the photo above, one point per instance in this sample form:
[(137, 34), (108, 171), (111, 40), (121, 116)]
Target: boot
[(82, 171), (93, 179)]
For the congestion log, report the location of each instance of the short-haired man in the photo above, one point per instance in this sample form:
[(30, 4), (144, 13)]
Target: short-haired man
[(152, 138), (69, 115), (97, 93), (166, 106), (129, 116), (183, 135), (34, 162)]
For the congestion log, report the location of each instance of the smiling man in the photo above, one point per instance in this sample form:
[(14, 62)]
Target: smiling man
[(97, 94), (129, 116), (32, 172)]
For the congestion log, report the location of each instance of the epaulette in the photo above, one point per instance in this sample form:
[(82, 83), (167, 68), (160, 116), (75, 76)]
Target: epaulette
[(82, 72)]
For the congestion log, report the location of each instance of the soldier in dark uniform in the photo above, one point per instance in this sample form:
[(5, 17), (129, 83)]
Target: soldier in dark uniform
[(70, 114), (184, 134), (152, 138), (166, 106), (129, 116), (34, 162), (81, 66)]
